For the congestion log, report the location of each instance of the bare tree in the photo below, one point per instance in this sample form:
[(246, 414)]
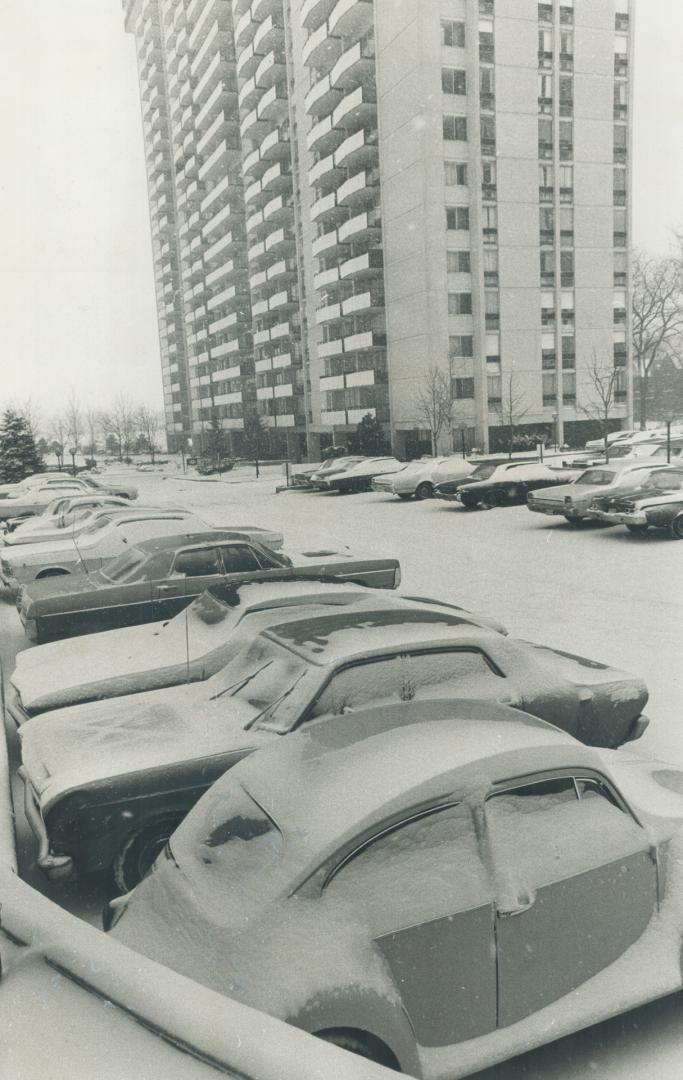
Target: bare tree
[(74, 425), (149, 423), (433, 403), (119, 422), (513, 407), (657, 315), (92, 420), (603, 381), (58, 431)]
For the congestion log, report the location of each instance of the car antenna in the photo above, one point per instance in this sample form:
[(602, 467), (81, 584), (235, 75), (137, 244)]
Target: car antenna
[(78, 550)]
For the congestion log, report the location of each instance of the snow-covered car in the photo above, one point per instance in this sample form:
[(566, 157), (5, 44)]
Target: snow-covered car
[(108, 536), (418, 478), (657, 504), (158, 578), (300, 475), (613, 438), (191, 647), (447, 883), (358, 477), (502, 484), (329, 468), (575, 501), (27, 502), (106, 782), (29, 482), (66, 512)]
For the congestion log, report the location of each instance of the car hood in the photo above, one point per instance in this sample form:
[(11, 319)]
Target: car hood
[(56, 588), (69, 748)]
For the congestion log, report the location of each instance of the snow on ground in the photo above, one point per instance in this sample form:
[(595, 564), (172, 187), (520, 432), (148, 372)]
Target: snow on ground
[(595, 591)]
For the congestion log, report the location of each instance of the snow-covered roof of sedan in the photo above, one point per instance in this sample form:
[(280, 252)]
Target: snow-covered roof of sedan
[(163, 543)]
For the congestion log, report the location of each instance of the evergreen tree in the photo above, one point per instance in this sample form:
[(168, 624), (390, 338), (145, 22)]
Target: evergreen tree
[(19, 455), (369, 437)]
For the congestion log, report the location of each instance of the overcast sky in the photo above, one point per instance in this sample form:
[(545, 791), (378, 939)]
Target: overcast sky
[(76, 283)]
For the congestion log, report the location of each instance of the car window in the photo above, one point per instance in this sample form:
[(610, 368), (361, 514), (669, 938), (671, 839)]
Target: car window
[(596, 477), (404, 677), (199, 563), (426, 866), (664, 481), (124, 567), (482, 472), (238, 559)]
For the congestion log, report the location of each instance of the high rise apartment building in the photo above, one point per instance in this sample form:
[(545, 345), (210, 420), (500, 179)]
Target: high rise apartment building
[(348, 195)]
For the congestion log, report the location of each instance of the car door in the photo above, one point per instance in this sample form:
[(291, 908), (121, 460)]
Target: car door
[(576, 886), (421, 892), (193, 571)]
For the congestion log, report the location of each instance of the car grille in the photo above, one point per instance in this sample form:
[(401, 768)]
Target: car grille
[(623, 506)]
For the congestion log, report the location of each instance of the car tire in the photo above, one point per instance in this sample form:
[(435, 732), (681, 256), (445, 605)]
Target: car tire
[(571, 520), (676, 528), (494, 498), (404, 497), (136, 858), (640, 530), (363, 1044), (424, 490)]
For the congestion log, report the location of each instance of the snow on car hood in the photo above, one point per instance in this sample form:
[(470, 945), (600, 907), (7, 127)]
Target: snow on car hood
[(69, 748)]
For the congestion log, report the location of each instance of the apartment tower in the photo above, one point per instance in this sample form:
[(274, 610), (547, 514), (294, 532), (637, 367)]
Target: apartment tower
[(350, 197)]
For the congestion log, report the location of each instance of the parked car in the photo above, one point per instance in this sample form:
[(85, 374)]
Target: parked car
[(27, 503), (106, 782), (158, 578), (36, 480), (358, 477), (502, 484), (108, 536), (300, 475), (657, 504), (209, 466), (575, 501), (614, 437), (191, 647), (422, 909), (674, 451), (417, 478), (65, 512), (332, 466)]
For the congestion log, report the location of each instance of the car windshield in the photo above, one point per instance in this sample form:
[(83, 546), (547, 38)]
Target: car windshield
[(596, 477), (125, 566), (620, 451), (259, 675), (100, 523), (482, 472), (664, 481)]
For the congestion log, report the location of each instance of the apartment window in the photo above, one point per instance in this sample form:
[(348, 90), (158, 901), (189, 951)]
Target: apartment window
[(458, 262), (568, 352), (453, 33), (488, 179), (492, 309), (492, 345), (460, 303), (457, 217), (490, 266), (620, 386), (566, 226), (453, 81), (460, 345), (566, 139), (620, 142), (566, 268), (567, 308), (620, 100), (547, 222), (486, 50), (455, 174), (487, 128), (486, 8), (620, 267), (545, 48), (549, 389), (545, 137), (463, 388), (546, 182), (621, 21), (566, 95), (566, 50), (455, 127), (489, 218), (619, 228), (494, 389), (620, 55), (620, 354), (568, 387), (566, 183), (547, 316), (547, 267), (619, 314), (545, 93), (548, 351), (486, 88), (545, 13), (566, 15)]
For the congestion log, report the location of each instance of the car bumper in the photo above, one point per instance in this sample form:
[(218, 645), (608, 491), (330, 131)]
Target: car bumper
[(449, 496), (14, 708), (637, 517), (388, 489), (55, 867), (553, 509)]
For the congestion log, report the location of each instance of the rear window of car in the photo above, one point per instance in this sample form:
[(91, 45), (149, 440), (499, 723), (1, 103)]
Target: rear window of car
[(596, 477), (125, 566)]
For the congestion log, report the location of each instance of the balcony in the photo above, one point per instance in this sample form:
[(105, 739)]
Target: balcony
[(227, 297), (356, 109), (252, 126), (323, 136), (357, 150), (222, 272), (219, 126), (321, 49), (280, 240), (225, 323), (315, 12), (368, 265), (217, 159), (279, 210), (367, 339), (220, 247), (277, 178), (244, 30), (351, 18), (362, 225), (269, 34), (326, 278), (328, 244), (324, 174), (326, 208), (327, 313), (359, 190), (322, 97), (272, 68), (370, 300), (248, 61), (275, 146), (330, 348), (274, 104)]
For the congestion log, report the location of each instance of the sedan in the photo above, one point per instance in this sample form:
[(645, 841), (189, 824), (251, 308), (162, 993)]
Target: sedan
[(574, 501), (330, 467), (502, 484), (358, 477), (418, 478), (74, 513), (436, 886), (158, 578), (101, 779), (25, 503), (657, 504)]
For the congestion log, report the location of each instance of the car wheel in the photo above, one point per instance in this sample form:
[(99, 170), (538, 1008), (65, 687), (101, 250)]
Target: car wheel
[(363, 1044), (676, 528), (571, 520), (405, 496), (52, 572), (638, 530), (493, 498), (137, 856), (424, 490)]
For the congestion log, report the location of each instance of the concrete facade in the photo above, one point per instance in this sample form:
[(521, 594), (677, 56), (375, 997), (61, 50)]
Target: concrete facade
[(346, 196)]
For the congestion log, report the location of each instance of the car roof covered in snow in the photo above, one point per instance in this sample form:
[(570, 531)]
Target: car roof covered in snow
[(164, 543)]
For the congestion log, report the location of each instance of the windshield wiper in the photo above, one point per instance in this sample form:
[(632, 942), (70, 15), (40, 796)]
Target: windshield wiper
[(278, 701), (235, 687)]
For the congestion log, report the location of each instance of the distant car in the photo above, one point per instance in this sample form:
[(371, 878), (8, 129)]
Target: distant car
[(358, 477), (31, 501), (657, 504), (502, 484), (191, 647), (575, 501), (36, 480), (157, 578), (106, 782), (209, 466), (418, 478), (613, 438), (330, 467), (74, 513), (300, 475), (108, 536), (498, 886)]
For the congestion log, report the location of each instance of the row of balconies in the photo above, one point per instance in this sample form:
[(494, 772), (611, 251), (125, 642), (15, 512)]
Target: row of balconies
[(273, 106), (278, 178), (274, 147), (273, 363), (268, 280), (349, 19), (280, 330), (371, 299), (366, 225), (279, 242)]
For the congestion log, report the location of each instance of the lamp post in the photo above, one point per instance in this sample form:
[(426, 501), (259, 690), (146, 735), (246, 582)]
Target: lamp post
[(555, 418)]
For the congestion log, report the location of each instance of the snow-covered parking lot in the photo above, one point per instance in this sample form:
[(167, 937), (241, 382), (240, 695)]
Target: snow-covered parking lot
[(599, 592)]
